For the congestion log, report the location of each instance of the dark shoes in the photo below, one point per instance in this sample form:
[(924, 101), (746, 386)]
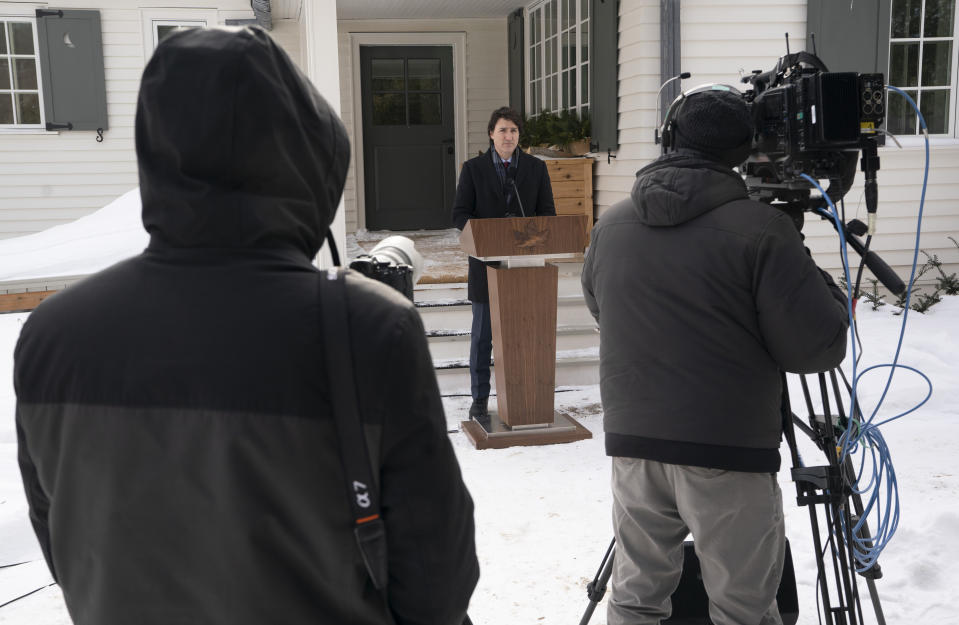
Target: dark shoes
[(478, 409)]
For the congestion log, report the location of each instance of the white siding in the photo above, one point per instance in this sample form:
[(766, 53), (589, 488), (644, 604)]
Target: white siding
[(486, 80), (287, 33), (721, 40), (52, 178)]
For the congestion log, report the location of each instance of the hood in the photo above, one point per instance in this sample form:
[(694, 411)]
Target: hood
[(236, 148), (681, 186)]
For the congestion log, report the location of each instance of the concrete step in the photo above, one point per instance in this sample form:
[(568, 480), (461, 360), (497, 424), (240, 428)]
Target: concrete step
[(447, 316), (568, 284), (455, 344), (573, 368), (451, 315)]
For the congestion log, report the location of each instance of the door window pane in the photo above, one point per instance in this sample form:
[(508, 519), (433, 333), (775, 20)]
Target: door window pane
[(425, 109), (3, 38), (935, 110), (5, 74), (389, 109), (904, 64), (564, 53), (901, 119), (937, 64), (424, 74), (21, 38), (939, 16), (905, 18), (28, 108), (387, 74), (25, 76), (564, 13), (6, 108)]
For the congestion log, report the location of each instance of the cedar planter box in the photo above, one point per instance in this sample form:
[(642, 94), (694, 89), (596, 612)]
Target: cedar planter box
[(572, 182)]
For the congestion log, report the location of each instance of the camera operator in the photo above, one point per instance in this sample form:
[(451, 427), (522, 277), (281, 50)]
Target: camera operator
[(177, 440), (702, 296), (488, 186)]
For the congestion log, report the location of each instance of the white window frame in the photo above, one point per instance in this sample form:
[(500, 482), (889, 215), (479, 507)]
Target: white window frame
[(537, 88), (31, 128), (152, 18), (952, 126)]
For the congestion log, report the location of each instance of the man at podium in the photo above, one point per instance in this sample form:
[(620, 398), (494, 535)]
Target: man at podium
[(503, 182)]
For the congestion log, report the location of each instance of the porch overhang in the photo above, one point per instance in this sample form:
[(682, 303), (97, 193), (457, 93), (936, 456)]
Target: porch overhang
[(425, 9)]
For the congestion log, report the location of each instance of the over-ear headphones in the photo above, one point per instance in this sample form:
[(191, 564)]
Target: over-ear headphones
[(666, 134)]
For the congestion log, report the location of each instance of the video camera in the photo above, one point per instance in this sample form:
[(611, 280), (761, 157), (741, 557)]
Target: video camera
[(811, 121)]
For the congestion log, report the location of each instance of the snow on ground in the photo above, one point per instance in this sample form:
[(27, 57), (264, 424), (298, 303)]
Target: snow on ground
[(83, 246), (543, 513)]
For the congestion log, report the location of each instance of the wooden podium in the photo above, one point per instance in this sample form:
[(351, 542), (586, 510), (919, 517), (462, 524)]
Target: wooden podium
[(522, 295)]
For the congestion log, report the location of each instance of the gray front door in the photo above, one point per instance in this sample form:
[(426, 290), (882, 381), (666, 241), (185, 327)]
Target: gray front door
[(408, 149)]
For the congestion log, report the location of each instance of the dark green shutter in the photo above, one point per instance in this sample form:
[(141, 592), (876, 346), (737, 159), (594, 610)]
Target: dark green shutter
[(71, 63), (604, 74), (669, 54), (850, 37), (516, 49)]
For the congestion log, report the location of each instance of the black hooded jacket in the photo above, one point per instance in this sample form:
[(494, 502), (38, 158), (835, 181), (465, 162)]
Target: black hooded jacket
[(702, 296), (173, 411)]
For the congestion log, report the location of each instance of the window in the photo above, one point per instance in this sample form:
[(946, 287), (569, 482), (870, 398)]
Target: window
[(159, 24), (558, 68), (20, 103), (164, 28), (406, 92), (922, 62)]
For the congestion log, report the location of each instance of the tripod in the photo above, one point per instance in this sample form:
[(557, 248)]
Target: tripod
[(828, 486)]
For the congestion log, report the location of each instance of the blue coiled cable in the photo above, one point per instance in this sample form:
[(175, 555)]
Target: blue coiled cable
[(881, 491)]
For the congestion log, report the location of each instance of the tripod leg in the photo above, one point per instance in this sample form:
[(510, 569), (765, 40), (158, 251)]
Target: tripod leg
[(876, 606), (597, 588), (875, 572)]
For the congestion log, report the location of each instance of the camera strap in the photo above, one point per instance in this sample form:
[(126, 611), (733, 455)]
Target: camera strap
[(368, 527)]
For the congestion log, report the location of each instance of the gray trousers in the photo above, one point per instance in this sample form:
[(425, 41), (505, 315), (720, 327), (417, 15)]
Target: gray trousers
[(736, 520)]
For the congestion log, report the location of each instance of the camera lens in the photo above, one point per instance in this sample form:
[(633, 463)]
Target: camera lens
[(867, 109), (879, 109), (867, 95), (877, 96)]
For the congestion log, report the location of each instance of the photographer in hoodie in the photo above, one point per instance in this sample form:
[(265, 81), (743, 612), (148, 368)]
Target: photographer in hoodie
[(702, 297), (176, 436)]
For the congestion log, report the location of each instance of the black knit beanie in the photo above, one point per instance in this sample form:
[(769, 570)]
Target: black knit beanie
[(717, 123)]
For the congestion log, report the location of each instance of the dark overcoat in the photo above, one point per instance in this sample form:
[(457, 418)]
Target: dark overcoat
[(480, 195)]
